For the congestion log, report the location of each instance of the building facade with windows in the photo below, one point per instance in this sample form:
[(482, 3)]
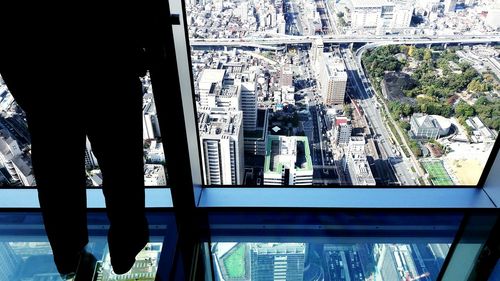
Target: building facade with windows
[(277, 261), (221, 138), (333, 79)]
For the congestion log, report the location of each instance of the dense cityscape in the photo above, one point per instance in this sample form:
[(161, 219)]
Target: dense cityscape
[(343, 93), (330, 262), (325, 93), (315, 93)]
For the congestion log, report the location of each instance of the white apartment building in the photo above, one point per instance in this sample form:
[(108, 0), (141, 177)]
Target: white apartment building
[(449, 6), (288, 161), (221, 138), (342, 131), (356, 164), (382, 15), (150, 125), (231, 89), (333, 79)]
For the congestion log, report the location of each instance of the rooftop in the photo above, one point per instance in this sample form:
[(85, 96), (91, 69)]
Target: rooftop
[(290, 152), (335, 66), (219, 121), (370, 3)]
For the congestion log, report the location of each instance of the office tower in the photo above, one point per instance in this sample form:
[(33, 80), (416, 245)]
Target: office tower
[(286, 76), (209, 89), (342, 130), (449, 6), (333, 79), (9, 262), (316, 55), (403, 11), (90, 160), (155, 153), (288, 161), (221, 138), (277, 261), (154, 175), (231, 88), (356, 164), (370, 14), (386, 265), (493, 15), (255, 141), (150, 125), (249, 105), (16, 162), (217, 91)]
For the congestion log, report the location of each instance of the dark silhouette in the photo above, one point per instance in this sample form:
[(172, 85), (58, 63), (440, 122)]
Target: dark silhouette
[(74, 68)]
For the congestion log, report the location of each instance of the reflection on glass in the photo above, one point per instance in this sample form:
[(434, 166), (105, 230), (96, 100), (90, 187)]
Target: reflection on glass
[(372, 113), (329, 262), (15, 144), (32, 261)]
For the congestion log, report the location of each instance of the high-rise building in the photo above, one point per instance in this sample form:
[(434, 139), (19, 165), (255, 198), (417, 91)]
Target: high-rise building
[(155, 153), (17, 163), (286, 76), (288, 161), (449, 6), (221, 138), (230, 88), (255, 141), (342, 130), (316, 54), (249, 105), (333, 79), (9, 262), (150, 125), (154, 175), (386, 265), (356, 164), (493, 15), (370, 14), (277, 261), (90, 159), (403, 11)]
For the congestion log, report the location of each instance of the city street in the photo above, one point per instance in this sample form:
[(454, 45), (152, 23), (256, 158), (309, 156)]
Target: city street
[(370, 105)]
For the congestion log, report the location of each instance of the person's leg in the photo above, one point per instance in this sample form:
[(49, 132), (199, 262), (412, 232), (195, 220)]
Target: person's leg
[(115, 134), (57, 148)]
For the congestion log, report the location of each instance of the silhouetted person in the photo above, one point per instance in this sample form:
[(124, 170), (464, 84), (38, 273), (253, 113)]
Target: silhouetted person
[(73, 66)]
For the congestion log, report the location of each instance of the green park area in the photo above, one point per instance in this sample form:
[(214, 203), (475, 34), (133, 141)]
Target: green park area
[(234, 262), (437, 172)]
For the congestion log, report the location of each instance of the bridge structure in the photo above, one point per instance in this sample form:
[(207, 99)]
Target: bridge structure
[(280, 41)]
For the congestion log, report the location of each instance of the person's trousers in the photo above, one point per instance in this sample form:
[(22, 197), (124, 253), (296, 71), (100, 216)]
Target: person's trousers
[(60, 113)]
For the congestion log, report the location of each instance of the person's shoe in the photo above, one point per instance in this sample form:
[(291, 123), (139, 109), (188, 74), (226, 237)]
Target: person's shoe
[(123, 249), (124, 262), (68, 276), (86, 267)]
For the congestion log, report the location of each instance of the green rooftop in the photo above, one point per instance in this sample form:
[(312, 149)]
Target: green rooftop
[(303, 162)]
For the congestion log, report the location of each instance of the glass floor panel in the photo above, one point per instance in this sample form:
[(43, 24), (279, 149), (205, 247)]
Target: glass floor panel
[(26, 255)]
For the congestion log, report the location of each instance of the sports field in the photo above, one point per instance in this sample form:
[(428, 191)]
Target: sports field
[(437, 172)]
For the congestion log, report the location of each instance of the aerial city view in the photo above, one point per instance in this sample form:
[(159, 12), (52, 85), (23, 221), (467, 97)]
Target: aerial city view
[(28, 260), (324, 93), (347, 92), (329, 262)]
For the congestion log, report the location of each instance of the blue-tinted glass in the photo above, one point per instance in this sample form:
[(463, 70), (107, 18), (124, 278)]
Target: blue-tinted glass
[(25, 253), (329, 246), (495, 275)]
